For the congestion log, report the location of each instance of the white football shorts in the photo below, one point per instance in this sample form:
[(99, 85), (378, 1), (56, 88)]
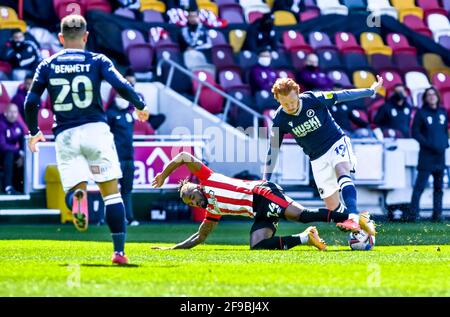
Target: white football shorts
[(87, 152), (323, 168)]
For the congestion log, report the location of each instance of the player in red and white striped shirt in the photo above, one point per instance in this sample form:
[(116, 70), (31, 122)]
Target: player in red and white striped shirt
[(263, 201)]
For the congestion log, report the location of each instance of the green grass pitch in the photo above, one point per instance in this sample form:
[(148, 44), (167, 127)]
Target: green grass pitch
[(55, 260)]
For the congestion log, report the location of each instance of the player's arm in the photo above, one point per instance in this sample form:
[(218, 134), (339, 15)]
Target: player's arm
[(31, 106), (354, 94), (192, 163), (275, 140), (206, 227), (123, 88)]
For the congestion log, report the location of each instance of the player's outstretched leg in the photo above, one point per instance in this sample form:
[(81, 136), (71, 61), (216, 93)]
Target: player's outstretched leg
[(76, 201), (309, 237)]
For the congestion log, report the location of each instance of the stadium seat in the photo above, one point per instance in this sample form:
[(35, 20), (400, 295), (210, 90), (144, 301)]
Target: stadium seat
[(339, 77), (416, 82), (102, 5), (309, 14), (237, 39), (446, 5), (446, 101), (4, 98), (209, 6), (445, 41), (373, 44), (196, 61), (230, 78), (382, 7), (391, 79), (355, 5), (439, 25), (355, 61), (217, 37), (399, 44), (126, 13), (285, 73), (346, 43), (331, 7), (131, 37), (220, 2), (66, 7), (168, 51), (5, 67), (152, 16), (45, 121), (415, 23), (258, 7), (264, 100), (320, 40), (433, 63), (153, 5), (208, 99), (283, 18), (381, 62), (329, 58), (222, 56), (142, 128), (294, 41), (406, 62), (298, 59), (441, 81), (430, 7), (253, 16), (280, 59), (363, 79), (140, 57), (373, 109), (407, 7), (9, 19), (233, 13), (246, 59)]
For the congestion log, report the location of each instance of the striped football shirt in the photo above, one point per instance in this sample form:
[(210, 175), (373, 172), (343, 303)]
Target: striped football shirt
[(226, 195)]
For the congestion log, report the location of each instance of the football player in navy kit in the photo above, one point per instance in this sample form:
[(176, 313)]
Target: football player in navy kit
[(84, 144), (307, 118)]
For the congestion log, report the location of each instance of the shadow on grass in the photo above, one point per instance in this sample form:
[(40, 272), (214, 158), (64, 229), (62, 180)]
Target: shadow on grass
[(103, 265)]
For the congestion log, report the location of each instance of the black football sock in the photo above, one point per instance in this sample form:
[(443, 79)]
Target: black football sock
[(321, 215), (278, 243)]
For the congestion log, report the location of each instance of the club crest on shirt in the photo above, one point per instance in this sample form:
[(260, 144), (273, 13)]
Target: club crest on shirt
[(290, 123), (310, 113)]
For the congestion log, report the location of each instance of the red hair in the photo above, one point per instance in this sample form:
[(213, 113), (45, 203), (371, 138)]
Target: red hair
[(283, 86)]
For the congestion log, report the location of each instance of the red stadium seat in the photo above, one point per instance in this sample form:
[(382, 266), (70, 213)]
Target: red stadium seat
[(415, 23), (399, 44), (208, 99), (446, 100), (346, 43), (102, 5), (309, 14), (441, 81), (142, 128), (66, 7), (373, 108), (391, 79), (294, 41), (45, 121)]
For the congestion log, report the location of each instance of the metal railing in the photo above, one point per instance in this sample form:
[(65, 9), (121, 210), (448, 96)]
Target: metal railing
[(228, 98)]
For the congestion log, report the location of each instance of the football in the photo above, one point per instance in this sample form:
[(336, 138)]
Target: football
[(361, 241)]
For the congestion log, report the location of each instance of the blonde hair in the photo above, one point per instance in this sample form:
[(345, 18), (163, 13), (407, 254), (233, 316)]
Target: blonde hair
[(73, 26), (283, 86)]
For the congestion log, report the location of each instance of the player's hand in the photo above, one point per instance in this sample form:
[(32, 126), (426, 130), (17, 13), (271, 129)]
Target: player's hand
[(158, 181), (378, 84), (161, 248), (143, 114), (33, 140)]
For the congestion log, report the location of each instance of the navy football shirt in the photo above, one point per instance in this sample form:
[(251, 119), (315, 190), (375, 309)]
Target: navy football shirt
[(73, 78), (313, 128)]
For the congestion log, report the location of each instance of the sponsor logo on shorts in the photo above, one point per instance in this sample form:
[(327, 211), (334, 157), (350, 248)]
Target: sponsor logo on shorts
[(95, 169)]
